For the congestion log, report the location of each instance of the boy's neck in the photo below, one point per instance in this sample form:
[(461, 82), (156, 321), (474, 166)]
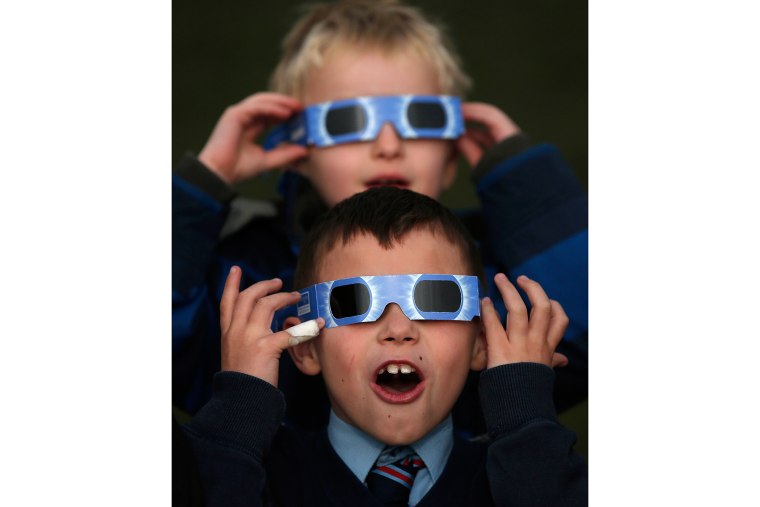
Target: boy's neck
[(359, 451)]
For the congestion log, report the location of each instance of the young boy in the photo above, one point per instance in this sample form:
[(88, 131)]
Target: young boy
[(534, 212), (392, 375)]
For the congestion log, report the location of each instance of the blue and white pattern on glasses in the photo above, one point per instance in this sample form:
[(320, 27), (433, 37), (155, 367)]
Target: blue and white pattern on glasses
[(360, 119), (420, 297)]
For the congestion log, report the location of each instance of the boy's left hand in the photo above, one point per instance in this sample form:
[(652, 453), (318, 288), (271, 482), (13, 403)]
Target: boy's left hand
[(526, 338), (491, 126), (249, 345)]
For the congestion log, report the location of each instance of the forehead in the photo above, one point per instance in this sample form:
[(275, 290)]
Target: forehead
[(352, 72), (419, 251)]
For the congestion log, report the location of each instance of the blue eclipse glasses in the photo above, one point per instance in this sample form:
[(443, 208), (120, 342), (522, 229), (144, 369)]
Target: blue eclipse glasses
[(360, 119), (364, 298)]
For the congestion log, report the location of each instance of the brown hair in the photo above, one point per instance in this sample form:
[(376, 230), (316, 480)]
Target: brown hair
[(388, 214)]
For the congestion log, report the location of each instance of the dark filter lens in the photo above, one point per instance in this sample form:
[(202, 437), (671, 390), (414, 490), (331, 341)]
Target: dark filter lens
[(426, 115), (345, 120), (349, 300), (437, 296)]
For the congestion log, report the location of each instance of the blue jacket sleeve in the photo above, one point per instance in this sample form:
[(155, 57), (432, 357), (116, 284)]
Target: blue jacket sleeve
[(199, 209), (213, 230), (535, 222)]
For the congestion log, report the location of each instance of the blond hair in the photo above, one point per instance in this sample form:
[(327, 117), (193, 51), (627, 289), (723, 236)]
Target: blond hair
[(386, 25)]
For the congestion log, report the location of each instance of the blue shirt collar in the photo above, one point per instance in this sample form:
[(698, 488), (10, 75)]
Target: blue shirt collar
[(359, 451)]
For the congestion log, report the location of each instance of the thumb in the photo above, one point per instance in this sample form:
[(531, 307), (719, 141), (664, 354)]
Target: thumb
[(469, 150), (282, 155), (559, 360)]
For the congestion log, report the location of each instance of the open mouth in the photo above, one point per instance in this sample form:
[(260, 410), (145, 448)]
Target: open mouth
[(398, 378), (388, 182), (398, 383)]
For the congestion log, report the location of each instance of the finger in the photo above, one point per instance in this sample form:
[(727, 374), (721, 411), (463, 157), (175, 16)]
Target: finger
[(248, 298), (497, 342), (272, 98), (559, 360), (268, 101), (558, 324), (482, 137), (281, 340), (283, 155), (229, 295), (517, 314), (541, 307), (471, 151), (263, 311), (254, 120), (305, 331), (479, 112), (498, 123)]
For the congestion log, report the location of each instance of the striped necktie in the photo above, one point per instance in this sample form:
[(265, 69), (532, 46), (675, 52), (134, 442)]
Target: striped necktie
[(393, 475)]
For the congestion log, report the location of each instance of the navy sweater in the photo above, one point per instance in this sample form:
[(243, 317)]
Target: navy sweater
[(246, 457)]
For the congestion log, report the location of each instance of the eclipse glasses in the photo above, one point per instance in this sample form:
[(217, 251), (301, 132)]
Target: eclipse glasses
[(361, 118), (364, 298)]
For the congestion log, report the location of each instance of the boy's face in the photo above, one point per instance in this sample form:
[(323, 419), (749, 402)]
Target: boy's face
[(427, 166), (402, 410)]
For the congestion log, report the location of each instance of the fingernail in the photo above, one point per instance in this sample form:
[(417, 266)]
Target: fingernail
[(486, 300), (233, 270), (524, 277), (500, 276)]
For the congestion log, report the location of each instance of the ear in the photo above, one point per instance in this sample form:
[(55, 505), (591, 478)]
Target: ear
[(450, 169), (479, 350), (304, 354)]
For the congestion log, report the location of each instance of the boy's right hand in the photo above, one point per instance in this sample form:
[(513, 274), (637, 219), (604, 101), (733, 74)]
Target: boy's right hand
[(231, 151), (248, 343), (527, 336)]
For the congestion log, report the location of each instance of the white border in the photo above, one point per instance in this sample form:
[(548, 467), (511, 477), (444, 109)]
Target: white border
[(85, 207)]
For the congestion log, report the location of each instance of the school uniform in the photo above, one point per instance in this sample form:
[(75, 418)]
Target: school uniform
[(246, 456)]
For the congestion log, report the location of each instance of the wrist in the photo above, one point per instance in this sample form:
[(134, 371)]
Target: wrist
[(198, 174), (515, 394), (506, 148), (518, 360), (214, 167)]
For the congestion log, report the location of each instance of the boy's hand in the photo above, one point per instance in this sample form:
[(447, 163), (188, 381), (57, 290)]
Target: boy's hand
[(248, 343), (231, 151), (491, 127), (527, 338)]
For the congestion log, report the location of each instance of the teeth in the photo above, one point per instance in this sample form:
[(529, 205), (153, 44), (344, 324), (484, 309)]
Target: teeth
[(394, 369)]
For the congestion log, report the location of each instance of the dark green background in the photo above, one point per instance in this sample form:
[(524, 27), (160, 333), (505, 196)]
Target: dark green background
[(527, 58)]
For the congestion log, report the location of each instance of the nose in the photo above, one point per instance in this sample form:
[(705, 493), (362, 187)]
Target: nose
[(395, 327), (388, 144)]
